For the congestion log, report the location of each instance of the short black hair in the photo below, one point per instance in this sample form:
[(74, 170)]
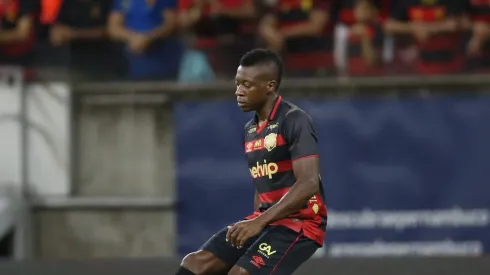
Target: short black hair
[(264, 56)]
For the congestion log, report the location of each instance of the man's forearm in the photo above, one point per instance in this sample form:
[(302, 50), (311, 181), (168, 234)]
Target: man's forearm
[(445, 26), (292, 202), (90, 33), (120, 33), (398, 27), (163, 31), (368, 51), (245, 12), (11, 36)]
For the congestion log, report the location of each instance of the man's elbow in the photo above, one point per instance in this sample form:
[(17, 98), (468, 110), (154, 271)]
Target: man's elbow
[(312, 186), (392, 27), (452, 25)]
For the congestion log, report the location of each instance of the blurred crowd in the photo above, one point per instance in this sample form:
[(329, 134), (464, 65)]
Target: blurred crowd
[(203, 39)]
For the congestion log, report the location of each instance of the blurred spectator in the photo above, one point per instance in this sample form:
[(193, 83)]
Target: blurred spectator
[(49, 11), (221, 28), (81, 27), (148, 30), (365, 39), (478, 23), (301, 30), (17, 31), (345, 10), (434, 27)]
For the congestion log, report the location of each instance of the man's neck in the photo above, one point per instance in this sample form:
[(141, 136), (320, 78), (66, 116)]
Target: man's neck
[(263, 113)]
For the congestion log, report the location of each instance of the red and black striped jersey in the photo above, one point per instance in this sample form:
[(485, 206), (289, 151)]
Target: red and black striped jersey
[(440, 53), (10, 14), (271, 149), (479, 10)]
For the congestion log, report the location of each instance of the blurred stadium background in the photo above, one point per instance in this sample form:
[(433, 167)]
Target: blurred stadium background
[(121, 138)]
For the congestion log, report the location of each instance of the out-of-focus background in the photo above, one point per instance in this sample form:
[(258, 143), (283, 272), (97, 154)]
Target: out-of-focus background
[(120, 136)]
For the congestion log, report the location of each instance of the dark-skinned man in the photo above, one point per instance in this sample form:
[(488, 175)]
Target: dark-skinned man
[(289, 221)]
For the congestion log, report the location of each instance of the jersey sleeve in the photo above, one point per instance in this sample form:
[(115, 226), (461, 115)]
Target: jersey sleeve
[(28, 7), (300, 135), (63, 16)]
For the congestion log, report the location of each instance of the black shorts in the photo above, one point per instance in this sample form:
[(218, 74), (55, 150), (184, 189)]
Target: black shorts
[(277, 250)]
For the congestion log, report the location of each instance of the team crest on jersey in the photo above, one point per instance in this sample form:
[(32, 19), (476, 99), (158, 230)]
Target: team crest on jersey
[(270, 142)]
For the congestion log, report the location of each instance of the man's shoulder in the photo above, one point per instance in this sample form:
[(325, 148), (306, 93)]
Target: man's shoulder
[(249, 123), (295, 114)]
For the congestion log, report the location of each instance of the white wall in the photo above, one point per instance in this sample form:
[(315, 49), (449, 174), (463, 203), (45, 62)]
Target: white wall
[(48, 137)]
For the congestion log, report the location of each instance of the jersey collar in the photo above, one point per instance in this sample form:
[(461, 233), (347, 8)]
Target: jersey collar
[(272, 114)]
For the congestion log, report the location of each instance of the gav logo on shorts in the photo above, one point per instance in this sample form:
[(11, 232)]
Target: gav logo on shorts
[(262, 170), (266, 250)]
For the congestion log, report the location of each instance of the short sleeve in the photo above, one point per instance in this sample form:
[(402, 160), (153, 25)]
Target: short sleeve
[(300, 135), (63, 17), (399, 11), (28, 7)]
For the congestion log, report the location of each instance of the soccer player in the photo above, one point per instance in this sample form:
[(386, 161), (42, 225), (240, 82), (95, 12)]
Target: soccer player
[(290, 216)]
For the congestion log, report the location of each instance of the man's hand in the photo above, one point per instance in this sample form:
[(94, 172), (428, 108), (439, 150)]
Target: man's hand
[(139, 43), (241, 232), (61, 35)]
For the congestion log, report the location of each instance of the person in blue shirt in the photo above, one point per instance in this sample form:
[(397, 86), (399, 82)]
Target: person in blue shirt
[(148, 29)]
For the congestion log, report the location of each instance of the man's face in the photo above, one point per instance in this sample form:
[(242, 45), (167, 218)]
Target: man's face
[(252, 87)]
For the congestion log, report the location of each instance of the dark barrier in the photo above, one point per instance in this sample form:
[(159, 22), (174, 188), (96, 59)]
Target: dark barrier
[(402, 176), (406, 266)]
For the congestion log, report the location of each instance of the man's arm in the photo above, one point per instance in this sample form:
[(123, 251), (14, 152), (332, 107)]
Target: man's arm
[(245, 11), (95, 28), (306, 171), (314, 26), (398, 22), (20, 33), (451, 22), (301, 139), (116, 27), (166, 28), (448, 25)]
